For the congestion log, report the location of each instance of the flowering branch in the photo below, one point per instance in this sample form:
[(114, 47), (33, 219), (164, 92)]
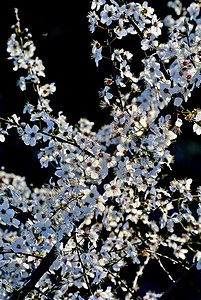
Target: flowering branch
[(106, 210), (51, 135)]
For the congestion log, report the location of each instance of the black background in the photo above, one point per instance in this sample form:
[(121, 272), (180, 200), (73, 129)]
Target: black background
[(61, 35)]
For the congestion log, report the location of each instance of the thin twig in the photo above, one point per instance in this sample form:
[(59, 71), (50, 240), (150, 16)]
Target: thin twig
[(164, 269), (68, 141), (140, 273), (21, 253), (169, 258)]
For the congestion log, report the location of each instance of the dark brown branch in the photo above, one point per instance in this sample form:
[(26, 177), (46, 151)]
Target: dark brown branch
[(83, 267), (136, 28), (44, 266)]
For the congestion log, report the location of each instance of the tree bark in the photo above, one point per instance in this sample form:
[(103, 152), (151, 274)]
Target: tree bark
[(44, 266)]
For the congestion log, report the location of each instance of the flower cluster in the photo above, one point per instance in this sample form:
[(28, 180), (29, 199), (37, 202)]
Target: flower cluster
[(105, 210)]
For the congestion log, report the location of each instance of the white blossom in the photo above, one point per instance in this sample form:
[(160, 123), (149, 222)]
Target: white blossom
[(31, 135)]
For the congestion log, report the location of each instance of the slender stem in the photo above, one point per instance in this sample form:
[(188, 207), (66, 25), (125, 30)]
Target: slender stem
[(136, 28)]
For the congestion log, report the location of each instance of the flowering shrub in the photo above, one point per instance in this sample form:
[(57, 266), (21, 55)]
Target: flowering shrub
[(105, 215)]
